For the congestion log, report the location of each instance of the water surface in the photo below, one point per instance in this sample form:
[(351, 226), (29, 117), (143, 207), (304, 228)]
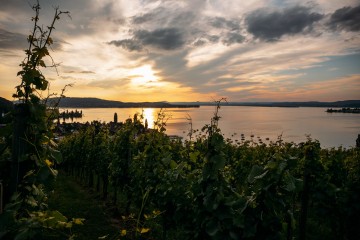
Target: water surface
[(293, 124)]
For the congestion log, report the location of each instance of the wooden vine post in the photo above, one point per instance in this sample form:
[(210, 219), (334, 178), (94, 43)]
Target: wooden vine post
[(19, 145)]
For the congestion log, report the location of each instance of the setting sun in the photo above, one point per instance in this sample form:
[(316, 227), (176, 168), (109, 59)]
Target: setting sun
[(142, 75)]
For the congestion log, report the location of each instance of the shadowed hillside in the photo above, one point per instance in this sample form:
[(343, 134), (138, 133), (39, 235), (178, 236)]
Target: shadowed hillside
[(100, 103)]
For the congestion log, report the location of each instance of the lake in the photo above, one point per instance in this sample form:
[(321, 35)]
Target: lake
[(293, 124)]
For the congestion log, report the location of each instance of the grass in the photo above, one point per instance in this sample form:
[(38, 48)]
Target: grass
[(74, 201)]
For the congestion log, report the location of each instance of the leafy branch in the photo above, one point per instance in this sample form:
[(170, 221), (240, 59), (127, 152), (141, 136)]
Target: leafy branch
[(39, 40)]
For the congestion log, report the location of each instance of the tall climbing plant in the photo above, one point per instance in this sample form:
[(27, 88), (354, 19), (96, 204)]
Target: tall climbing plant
[(33, 151)]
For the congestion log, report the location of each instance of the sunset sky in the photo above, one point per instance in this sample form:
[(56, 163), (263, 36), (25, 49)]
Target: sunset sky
[(198, 50)]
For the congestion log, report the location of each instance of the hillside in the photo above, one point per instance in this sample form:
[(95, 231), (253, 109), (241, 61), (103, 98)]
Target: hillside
[(73, 102), (77, 102), (5, 105)]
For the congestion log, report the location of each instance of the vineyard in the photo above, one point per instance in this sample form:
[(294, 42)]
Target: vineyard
[(214, 188)]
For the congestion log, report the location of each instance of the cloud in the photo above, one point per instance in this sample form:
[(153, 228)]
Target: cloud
[(163, 28), (164, 39), (199, 43), (176, 26), (165, 16), (10, 40), (223, 23), (108, 84), (272, 25), (206, 39), (18, 6), (143, 18), (229, 31), (87, 72), (5, 53), (232, 38), (127, 44), (230, 84), (80, 72), (346, 18)]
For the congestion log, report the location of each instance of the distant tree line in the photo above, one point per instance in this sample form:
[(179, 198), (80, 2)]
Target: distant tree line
[(343, 110), (70, 114)]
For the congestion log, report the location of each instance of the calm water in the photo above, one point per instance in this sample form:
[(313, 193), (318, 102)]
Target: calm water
[(331, 129)]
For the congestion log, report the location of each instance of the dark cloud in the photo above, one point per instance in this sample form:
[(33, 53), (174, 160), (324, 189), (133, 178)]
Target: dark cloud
[(165, 17), (9, 40), (143, 18), (213, 38), (230, 31), (271, 26), (176, 27), (164, 38), (22, 11), (220, 22), (16, 5), (199, 43), (346, 18), (233, 37), (127, 44)]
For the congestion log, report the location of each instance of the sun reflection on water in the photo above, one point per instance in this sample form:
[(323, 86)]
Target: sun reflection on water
[(149, 116)]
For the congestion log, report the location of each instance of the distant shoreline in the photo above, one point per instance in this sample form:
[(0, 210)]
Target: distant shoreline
[(135, 106), (74, 102), (100, 103), (342, 104)]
